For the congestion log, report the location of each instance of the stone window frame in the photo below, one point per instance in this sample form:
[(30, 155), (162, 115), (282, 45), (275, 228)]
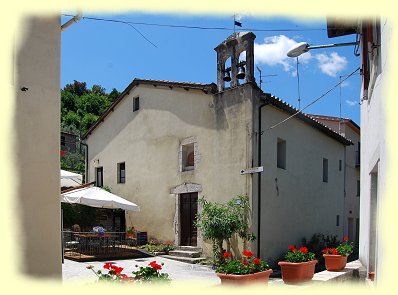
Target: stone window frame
[(185, 142)]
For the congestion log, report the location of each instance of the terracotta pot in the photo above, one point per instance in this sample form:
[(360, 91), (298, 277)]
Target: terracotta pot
[(371, 276), (335, 262), (293, 272), (258, 277)]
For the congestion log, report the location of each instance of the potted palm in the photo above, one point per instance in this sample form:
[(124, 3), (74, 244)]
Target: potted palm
[(336, 258), (298, 266), (247, 270)]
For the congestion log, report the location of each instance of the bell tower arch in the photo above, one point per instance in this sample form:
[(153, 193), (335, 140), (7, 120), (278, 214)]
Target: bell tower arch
[(232, 47)]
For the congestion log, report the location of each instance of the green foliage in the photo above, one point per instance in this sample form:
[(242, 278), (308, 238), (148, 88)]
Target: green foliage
[(157, 246), (78, 214), (219, 222), (241, 268), (345, 248), (81, 107), (151, 274), (300, 255), (73, 161), (320, 241), (107, 188)]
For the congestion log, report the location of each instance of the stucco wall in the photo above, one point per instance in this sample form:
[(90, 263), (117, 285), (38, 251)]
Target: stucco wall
[(298, 204), (37, 117), (374, 159), (148, 141), (352, 200)]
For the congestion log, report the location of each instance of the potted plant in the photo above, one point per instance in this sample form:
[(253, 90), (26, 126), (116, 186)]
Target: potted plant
[(247, 270), (130, 233), (336, 258), (298, 266), (151, 274)]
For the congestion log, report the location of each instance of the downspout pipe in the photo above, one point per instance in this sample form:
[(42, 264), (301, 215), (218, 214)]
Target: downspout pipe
[(86, 161), (70, 22), (260, 133)]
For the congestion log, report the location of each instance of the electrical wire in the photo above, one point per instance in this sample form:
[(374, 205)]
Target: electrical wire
[(117, 21), (311, 103), (196, 27)]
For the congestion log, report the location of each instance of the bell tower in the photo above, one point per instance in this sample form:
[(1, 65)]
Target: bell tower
[(232, 47)]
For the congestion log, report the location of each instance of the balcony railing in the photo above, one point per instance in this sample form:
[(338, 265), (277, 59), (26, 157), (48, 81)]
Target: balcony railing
[(93, 244)]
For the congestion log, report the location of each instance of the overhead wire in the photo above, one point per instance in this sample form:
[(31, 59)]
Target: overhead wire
[(197, 27), (310, 104)]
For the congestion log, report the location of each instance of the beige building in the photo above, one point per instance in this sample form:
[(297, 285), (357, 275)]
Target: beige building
[(36, 132), (350, 130), (164, 145)]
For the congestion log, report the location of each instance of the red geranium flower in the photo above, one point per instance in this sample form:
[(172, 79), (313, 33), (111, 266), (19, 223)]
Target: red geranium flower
[(335, 252), (303, 249), (247, 253), (154, 265), (324, 251), (257, 261), (61, 153), (345, 239), (108, 265), (226, 254), (244, 262), (292, 248)]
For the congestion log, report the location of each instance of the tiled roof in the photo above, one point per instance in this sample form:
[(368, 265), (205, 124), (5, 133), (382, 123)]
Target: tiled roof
[(277, 102), (206, 88), (332, 118)]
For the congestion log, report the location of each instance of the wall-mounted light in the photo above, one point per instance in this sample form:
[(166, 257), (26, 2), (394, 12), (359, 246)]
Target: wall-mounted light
[(304, 47)]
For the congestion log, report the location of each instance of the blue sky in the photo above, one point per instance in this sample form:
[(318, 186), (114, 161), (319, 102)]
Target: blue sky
[(113, 54)]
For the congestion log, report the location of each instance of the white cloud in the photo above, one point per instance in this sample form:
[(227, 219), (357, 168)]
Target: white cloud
[(351, 103), (345, 84), (331, 64), (273, 52)]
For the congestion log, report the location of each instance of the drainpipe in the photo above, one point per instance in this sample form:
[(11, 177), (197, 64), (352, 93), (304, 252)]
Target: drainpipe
[(86, 161), (70, 22), (259, 179)]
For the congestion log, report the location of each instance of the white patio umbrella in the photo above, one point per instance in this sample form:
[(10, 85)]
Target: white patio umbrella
[(70, 179), (97, 197)]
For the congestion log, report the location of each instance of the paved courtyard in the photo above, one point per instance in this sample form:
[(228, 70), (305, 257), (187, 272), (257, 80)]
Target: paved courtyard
[(77, 273)]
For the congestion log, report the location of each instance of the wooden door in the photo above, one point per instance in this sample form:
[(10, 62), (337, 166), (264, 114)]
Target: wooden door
[(188, 211)]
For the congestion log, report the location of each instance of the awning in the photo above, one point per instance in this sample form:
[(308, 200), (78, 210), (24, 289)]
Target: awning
[(70, 179), (97, 197)]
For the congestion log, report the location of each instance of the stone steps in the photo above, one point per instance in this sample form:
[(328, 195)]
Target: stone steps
[(188, 254), (190, 260)]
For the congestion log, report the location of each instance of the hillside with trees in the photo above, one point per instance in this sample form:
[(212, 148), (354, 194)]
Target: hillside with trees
[(80, 109)]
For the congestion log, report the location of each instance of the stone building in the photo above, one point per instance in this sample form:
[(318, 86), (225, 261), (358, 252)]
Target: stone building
[(164, 145)]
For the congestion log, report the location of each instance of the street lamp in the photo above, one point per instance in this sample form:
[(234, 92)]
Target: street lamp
[(304, 47)]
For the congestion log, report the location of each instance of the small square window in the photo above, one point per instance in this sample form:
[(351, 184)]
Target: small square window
[(188, 157), (136, 104), (340, 165), (325, 170), (281, 154), (121, 173)]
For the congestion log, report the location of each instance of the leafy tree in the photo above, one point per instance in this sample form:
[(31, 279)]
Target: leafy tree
[(88, 120), (72, 119), (73, 161), (113, 95), (220, 222), (77, 88), (98, 89)]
